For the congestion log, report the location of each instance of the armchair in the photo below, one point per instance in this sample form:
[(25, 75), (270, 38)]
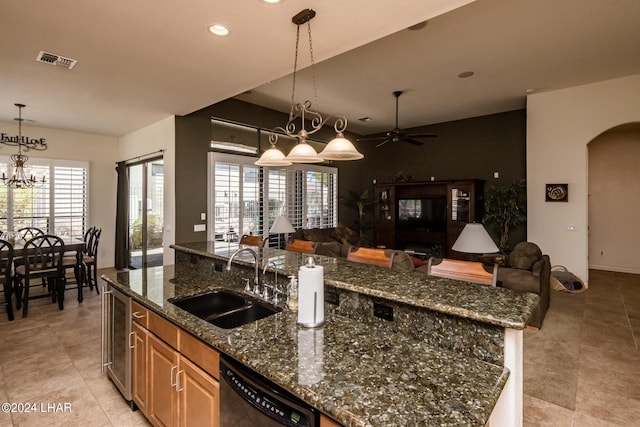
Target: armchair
[(528, 270)]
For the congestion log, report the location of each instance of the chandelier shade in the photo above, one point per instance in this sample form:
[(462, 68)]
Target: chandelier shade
[(340, 148), (272, 157), (302, 152)]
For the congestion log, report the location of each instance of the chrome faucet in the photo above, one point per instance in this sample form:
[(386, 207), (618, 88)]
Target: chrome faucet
[(276, 291), (256, 287)]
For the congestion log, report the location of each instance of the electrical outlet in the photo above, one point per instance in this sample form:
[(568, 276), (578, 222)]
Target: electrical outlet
[(331, 296), (383, 311)]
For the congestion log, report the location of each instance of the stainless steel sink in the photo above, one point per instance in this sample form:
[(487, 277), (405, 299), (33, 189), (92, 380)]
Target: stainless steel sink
[(226, 309)]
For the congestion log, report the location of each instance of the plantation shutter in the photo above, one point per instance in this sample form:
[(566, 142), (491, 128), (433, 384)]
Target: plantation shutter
[(59, 206), (70, 200)]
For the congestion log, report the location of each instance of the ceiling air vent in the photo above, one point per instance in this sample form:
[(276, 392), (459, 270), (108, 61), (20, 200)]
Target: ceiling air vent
[(53, 59)]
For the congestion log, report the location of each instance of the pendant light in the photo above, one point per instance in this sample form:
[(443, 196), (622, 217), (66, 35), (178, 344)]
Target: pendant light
[(339, 148)]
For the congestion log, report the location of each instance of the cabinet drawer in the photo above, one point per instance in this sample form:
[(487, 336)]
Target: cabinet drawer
[(200, 353), (140, 314), (162, 328)]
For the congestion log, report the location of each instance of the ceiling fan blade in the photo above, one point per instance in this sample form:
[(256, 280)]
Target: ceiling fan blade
[(422, 135), (412, 141), (382, 143), (372, 138)]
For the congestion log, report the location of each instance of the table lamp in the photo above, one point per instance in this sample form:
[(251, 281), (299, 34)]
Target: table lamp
[(281, 225), (474, 239)]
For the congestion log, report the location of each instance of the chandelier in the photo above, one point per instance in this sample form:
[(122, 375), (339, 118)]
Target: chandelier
[(338, 148), (21, 178)]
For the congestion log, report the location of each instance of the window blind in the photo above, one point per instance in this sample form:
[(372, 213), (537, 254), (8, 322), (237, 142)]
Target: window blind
[(246, 199), (59, 207), (70, 201)]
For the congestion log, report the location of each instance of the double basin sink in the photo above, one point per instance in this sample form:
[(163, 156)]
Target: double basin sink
[(226, 309)]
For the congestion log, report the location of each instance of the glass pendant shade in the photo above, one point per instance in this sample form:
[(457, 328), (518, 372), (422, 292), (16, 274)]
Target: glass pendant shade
[(340, 148), (303, 153), (474, 239), (272, 157)]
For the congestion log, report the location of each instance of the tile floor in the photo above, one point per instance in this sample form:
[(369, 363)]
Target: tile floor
[(52, 357)]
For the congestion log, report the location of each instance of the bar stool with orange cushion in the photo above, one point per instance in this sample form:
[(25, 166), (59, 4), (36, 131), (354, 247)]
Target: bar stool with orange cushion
[(252, 240), (303, 246), (6, 263), (468, 271), (371, 256), (42, 258)]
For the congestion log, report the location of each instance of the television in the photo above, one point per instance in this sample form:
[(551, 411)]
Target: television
[(425, 214)]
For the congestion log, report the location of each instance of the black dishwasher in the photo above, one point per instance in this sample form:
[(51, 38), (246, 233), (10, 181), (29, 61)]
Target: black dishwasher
[(247, 399)]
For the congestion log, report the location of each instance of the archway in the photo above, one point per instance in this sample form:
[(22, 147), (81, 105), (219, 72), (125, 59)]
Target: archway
[(614, 199)]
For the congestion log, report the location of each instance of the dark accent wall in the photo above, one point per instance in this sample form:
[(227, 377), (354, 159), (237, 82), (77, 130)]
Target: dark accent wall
[(472, 148)]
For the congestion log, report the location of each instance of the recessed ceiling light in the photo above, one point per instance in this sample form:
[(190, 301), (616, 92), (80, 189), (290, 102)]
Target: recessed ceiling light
[(272, 1), (219, 29), (365, 119), (465, 74)]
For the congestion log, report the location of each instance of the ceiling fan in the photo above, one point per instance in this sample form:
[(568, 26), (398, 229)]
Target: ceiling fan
[(396, 134)]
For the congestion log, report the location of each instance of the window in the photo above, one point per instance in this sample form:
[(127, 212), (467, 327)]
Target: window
[(58, 207), (246, 199)]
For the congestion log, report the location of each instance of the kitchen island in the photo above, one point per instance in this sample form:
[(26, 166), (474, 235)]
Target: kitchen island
[(364, 370)]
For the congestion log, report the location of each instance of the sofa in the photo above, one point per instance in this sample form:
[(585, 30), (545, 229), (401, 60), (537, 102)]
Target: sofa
[(333, 241), (526, 269)]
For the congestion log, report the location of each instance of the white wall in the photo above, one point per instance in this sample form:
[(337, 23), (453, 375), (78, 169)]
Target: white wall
[(101, 152), (158, 136), (560, 124)]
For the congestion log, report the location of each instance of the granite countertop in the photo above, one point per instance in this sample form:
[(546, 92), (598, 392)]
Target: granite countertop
[(358, 374), (487, 304)]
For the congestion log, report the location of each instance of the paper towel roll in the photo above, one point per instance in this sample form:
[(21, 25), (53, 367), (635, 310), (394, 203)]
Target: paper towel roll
[(310, 355), (311, 295)]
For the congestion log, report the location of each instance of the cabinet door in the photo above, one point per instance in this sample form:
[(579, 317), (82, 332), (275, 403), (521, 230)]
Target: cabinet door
[(199, 395), (162, 395), (140, 367)]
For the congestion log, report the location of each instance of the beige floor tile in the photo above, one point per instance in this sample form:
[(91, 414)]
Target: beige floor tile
[(538, 413), (595, 401), (72, 405)]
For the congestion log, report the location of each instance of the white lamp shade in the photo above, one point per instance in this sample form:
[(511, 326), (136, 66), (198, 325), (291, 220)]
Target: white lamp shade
[(272, 157), (474, 239), (281, 225), (303, 153), (340, 148)]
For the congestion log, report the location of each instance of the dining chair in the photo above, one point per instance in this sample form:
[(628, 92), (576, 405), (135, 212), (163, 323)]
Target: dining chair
[(468, 271), (42, 258), (371, 256), (89, 258), (253, 240), (6, 263), (27, 233)]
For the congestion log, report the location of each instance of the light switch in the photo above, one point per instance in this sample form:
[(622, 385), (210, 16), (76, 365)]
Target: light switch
[(496, 175), (199, 227), (203, 216)]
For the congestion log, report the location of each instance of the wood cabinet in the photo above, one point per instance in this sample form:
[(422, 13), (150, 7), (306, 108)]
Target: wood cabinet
[(175, 375), (466, 204), (426, 217)]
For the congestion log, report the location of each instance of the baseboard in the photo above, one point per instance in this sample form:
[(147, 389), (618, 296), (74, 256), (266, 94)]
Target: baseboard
[(616, 269)]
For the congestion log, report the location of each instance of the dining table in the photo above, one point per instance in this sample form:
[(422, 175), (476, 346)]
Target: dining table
[(71, 244)]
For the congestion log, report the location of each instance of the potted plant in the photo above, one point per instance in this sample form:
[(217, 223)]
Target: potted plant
[(505, 208), (361, 201)]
